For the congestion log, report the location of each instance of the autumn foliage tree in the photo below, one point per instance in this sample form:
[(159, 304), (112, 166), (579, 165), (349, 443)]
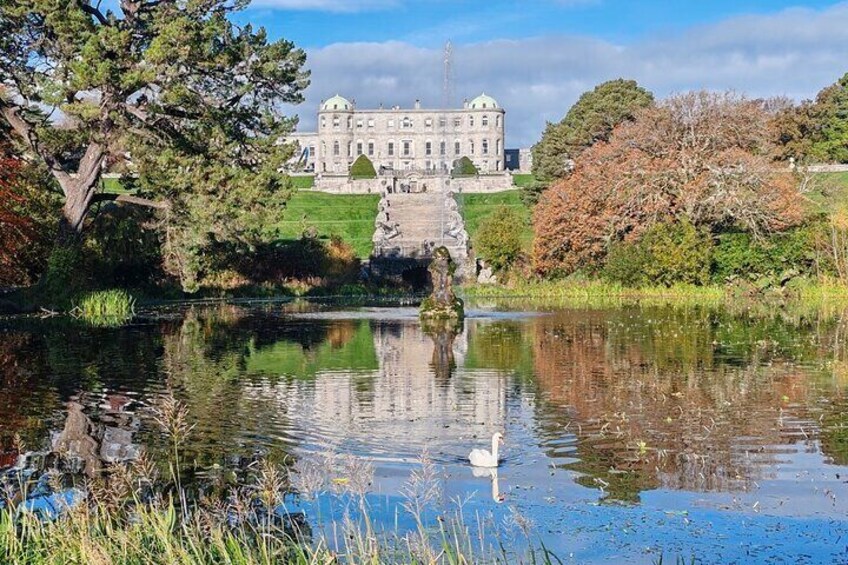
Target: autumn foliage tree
[(699, 157)]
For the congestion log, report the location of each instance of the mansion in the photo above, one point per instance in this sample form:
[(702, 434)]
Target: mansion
[(400, 141)]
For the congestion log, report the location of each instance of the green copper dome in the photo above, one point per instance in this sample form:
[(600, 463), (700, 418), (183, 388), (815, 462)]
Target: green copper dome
[(337, 103), (483, 102)]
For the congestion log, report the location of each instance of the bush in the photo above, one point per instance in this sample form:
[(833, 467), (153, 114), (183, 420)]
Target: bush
[(739, 254), (626, 263), (464, 167), (498, 240), (362, 168), (667, 254)]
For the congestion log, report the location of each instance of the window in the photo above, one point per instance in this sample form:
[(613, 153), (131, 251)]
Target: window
[(428, 122), (360, 124), (349, 122), (358, 148), (391, 123), (323, 122), (324, 148), (442, 148), (350, 149), (427, 165), (407, 148), (407, 123), (391, 150), (428, 149), (456, 148), (312, 151), (498, 147), (485, 147), (336, 121), (457, 122), (471, 121), (497, 121), (370, 122), (443, 122), (370, 148), (471, 146), (336, 148), (485, 121)]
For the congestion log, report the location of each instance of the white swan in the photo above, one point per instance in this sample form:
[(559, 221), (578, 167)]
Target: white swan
[(482, 458), (490, 473)]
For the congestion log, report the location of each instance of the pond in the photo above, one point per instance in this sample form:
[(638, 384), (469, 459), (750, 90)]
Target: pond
[(632, 433)]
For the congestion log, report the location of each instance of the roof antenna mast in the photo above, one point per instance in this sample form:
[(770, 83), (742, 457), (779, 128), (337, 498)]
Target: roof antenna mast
[(447, 92)]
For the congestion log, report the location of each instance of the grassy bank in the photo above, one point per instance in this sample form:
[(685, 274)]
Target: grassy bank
[(476, 208), (602, 293), (349, 216)]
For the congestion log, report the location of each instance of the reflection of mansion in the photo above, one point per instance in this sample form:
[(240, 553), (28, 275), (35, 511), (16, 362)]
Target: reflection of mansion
[(438, 407), (412, 149)]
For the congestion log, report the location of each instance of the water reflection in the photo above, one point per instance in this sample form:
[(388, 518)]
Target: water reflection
[(634, 404)]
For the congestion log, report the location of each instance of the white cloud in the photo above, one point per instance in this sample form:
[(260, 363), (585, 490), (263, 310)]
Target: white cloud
[(794, 53), (328, 5)]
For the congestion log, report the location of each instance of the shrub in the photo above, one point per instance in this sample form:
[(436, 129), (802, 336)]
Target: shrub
[(626, 263), (107, 308), (739, 254), (667, 254), (362, 168), (498, 239), (464, 167)]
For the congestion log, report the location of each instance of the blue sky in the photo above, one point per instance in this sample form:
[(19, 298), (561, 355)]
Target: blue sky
[(537, 56), (321, 22)]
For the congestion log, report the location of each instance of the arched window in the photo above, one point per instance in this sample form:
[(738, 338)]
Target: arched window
[(485, 121), (457, 147), (485, 147), (406, 123), (336, 148), (358, 148), (370, 147), (471, 121)]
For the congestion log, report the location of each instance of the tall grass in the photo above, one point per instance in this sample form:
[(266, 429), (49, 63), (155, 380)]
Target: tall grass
[(132, 514), (107, 308)]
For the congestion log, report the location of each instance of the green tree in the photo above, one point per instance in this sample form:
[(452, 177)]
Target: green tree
[(191, 96), (464, 167), (590, 120), (830, 120), (498, 240), (363, 168)]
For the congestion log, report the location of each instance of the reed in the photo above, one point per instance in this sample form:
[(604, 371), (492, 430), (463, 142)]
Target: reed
[(107, 308), (133, 515)]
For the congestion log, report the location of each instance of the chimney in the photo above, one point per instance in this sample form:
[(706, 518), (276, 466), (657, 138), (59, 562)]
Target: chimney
[(418, 104), (465, 103)]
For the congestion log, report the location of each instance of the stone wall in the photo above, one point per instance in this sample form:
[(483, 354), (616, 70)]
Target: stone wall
[(479, 184)]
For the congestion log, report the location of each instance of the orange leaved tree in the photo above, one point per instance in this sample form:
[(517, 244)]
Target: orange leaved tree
[(701, 157)]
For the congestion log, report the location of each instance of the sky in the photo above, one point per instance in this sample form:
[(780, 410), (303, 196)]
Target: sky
[(537, 56)]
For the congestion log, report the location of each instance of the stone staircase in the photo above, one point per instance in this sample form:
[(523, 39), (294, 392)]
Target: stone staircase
[(412, 225)]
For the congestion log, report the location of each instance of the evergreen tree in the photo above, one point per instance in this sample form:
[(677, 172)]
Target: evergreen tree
[(590, 120), (363, 168), (830, 123)]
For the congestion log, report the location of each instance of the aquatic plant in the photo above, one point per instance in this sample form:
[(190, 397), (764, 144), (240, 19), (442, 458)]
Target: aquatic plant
[(107, 308)]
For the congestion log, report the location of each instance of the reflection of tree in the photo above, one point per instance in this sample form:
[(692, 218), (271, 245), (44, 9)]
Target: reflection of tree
[(663, 396), (502, 345)]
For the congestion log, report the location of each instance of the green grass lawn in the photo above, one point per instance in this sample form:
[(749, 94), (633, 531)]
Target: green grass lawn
[(829, 191), (476, 207), (303, 182), (523, 180), (349, 216)]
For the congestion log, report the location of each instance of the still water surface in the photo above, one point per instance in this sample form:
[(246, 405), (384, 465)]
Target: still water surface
[(631, 432)]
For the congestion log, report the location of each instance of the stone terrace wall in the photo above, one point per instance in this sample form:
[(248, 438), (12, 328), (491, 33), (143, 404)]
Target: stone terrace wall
[(478, 184)]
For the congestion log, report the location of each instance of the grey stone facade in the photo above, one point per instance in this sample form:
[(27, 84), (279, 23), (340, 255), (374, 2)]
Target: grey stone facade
[(404, 139)]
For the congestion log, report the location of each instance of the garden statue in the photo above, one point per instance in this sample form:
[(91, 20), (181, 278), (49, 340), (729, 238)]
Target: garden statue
[(442, 304)]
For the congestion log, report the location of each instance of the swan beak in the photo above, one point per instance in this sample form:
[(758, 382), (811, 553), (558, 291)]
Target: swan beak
[(501, 440)]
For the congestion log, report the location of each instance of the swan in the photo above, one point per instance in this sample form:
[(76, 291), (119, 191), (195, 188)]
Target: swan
[(482, 458)]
